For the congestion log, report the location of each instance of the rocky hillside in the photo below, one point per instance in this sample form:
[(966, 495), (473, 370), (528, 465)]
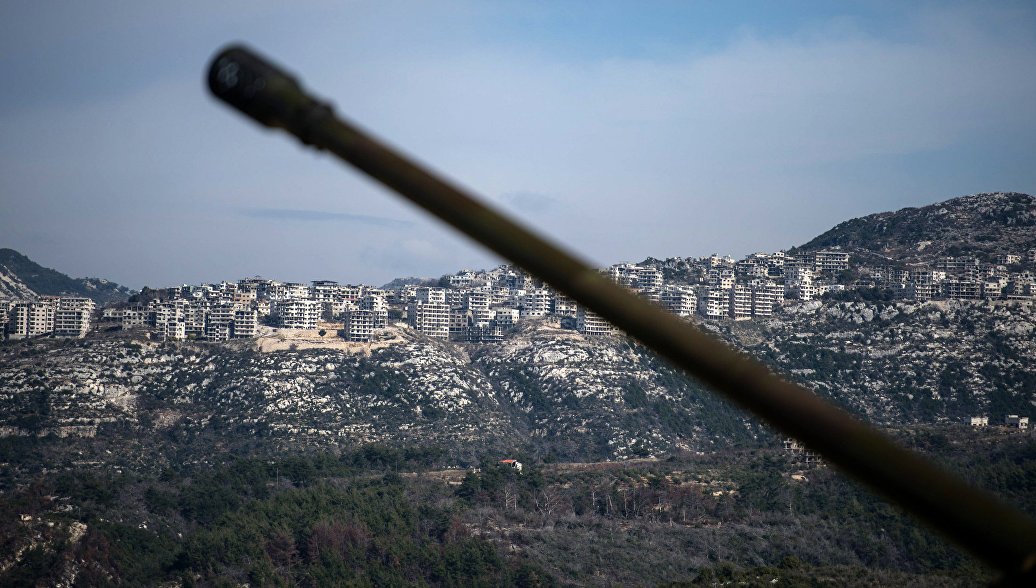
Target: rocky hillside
[(544, 391), (979, 225), (904, 363), (12, 287), (20, 277)]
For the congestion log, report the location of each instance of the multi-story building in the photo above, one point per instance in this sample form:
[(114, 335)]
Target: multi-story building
[(168, 320), (298, 313), (535, 303), (72, 317), (476, 302), (740, 302), (427, 295), (564, 305), (430, 318), (361, 324), (714, 302), (962, 289), (330, 296), (922, 292), (722, 278), (5, 308), (460, 320), (219, 322), (287, 291), (246, 323), (590, 324), (679, 300), (764, 299), (462, 279), (830, 261), (485, 333), (134, 316), (31, 319), (505, 316), (798, 283), (194, 317)]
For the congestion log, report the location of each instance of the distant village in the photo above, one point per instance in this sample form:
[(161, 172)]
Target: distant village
[(482, 306)]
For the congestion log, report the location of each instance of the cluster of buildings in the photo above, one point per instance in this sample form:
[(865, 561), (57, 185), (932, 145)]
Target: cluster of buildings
[(1012, 421), (961, 278), (483, 305), (234, 310), (59, 316)]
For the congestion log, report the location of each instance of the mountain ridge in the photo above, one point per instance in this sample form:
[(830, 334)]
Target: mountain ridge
[(20, 277), (966, 225)]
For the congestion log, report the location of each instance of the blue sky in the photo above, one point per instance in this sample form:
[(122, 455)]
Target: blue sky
[(625, 130)]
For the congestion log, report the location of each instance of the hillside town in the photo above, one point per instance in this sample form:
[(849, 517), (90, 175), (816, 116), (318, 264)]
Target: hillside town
[(482, 306)]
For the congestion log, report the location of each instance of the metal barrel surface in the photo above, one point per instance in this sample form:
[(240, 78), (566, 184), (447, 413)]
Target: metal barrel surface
[(993, 531)]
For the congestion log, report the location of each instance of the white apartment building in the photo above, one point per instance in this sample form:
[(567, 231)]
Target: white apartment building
[(330, 296), (427, 295), (679, 300), (298, 313), (764, 299), (716, 261), (648, 278), (219, 322), (194, 315), (287, 291), (922, 292), (136, 316), (535, 303), (430, 318), (830, 261), (72, 317), (30, 319), (740, 302), (714, 302), (722, 278), (505, 316), (361, 324), (564, 305), (462, 279), (246, 323), (477, 304), (372, 302), (590, 324), (798, 283), (460, 320), (167, 319)]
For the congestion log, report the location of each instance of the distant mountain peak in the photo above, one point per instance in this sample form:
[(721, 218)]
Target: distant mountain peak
[(21, 277), (981, 225)]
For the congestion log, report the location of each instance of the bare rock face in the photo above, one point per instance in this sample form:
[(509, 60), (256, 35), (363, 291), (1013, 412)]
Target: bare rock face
[(543, 390), (901, 362)]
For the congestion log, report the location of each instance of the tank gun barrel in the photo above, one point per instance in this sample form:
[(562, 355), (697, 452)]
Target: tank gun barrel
[(990, 529)]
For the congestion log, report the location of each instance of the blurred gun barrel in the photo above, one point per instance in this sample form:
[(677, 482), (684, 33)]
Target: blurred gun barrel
[(993, 531)]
